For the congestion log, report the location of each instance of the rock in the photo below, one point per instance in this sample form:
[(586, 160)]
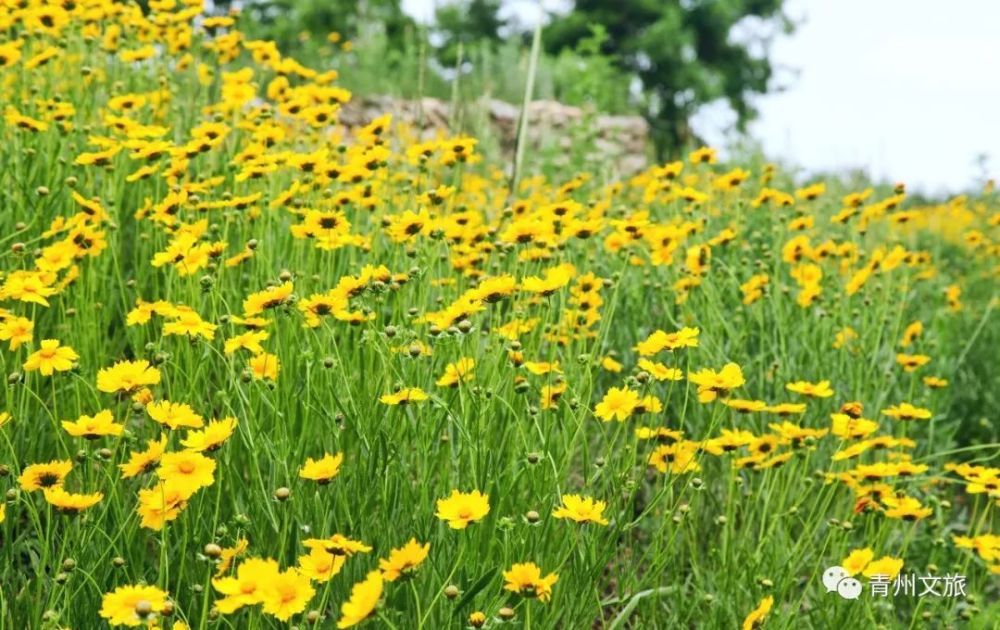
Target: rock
[(620, 140)]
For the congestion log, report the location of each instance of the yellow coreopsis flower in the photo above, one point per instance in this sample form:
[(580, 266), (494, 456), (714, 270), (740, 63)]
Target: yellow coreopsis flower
[(756, 617), (215, 433), (320, 565), (906, 411), (187, 471), (711, 383), (70, 502), (857, 560), (286, 593), (133, 605), (403, 561), (404, 396), (265, 366), (462, 508), (322, 470), (144, 461), (338, 545), (174, 415), (93, 427), (813, 390), (618, 403), (51, 357), (458, 372), (248, 587), (127, 377), (581, 509), (48, 475), (364, 599), (526, 579), (261, 301), (886, 566), (16, 330)]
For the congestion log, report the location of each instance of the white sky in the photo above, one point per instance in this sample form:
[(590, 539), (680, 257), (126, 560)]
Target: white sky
[(907, 89)]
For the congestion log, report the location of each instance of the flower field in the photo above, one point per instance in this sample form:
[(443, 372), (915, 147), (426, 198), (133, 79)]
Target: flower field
[(262, 370)]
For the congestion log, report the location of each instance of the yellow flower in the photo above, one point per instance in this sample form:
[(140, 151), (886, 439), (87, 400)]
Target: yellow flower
[(93, 427), (286, 594), (257, 303), (403, 561), (127, 377), (462, 508), (526, 579), (906, 411), (144, 461), (64, 501), (321, 565), (857, 560), (539, 368), (935, 382), (581, 509), (704, 155), (660, 340), (886, 566), (494, 289), (322, 470), (609, 364), (711, 383), (404, 396), (912, 331), (911, 362), (338, 545), (553, 280), (249, 340), (174, 415), (364, 599), (265, 366), (659, 371), (786, 409), (16, 330), (248, 587), (211, 437), (846, 428), (814, 390), (133, 605), (457, 372), (677, 458), (618, 403), (27, 287), (756, 617), (48, 475), (745, 406), (187, 470), (229, 554), (51, 357)]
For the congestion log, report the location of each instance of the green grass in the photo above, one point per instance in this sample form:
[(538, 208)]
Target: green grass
[(699, 549)]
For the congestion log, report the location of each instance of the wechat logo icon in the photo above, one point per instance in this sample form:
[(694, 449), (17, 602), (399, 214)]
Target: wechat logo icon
[(836, 580)]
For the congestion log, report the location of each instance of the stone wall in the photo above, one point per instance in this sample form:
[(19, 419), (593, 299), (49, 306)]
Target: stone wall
[(622, 140)]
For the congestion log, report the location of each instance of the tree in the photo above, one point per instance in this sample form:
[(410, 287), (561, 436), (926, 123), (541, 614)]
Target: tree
[(467, 22), (683, 53), (284, 20)]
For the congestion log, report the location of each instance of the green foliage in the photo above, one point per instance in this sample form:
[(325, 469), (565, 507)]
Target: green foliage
[(286, 21), (683, 53), (462, 23), (586, 76)]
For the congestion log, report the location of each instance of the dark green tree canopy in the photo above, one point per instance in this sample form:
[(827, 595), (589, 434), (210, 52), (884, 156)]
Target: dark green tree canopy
[(683, 51), (467, 22), (284, 20)]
